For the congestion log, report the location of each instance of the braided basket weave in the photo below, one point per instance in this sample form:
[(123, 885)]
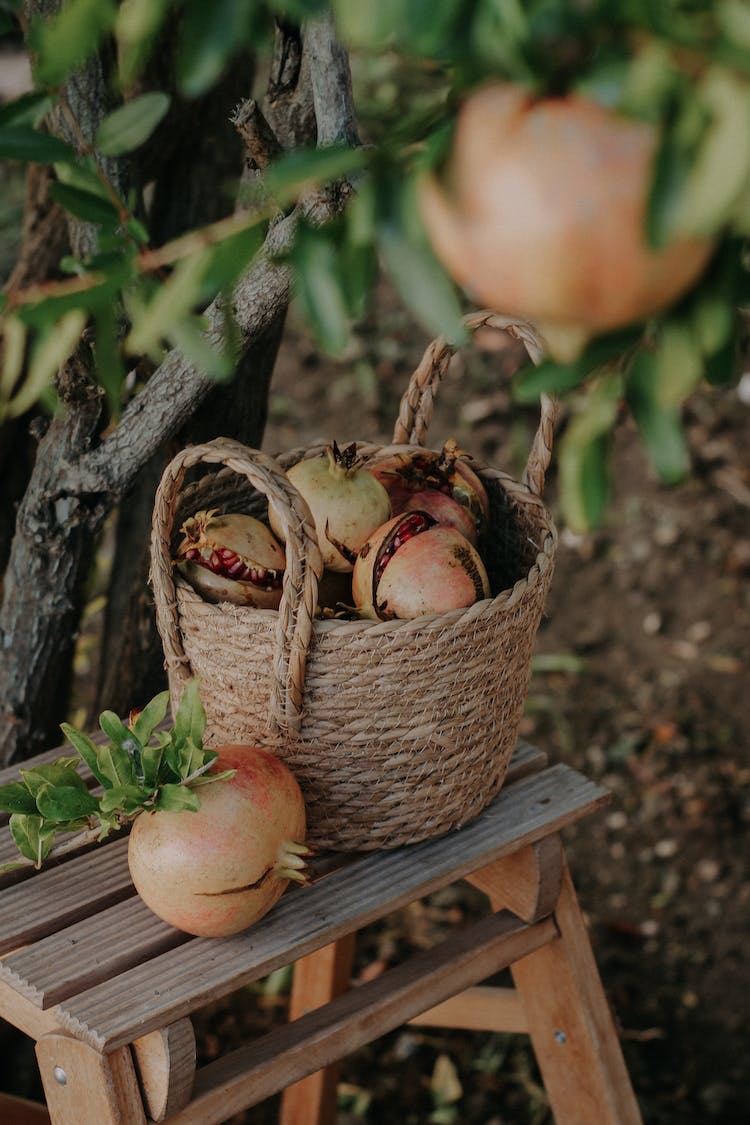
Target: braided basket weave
[(397, 731)]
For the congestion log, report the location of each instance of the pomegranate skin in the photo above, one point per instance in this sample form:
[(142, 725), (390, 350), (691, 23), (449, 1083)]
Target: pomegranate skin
[(405, 473), (445, 510), (542, 216), (345, 501), (216, 871), (433, 572)]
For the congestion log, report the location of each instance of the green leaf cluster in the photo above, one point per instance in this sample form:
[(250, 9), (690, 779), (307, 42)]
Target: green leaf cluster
[(683, 65), (141, 765)]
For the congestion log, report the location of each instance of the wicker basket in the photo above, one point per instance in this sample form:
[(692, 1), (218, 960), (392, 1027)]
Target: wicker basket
[(397, 731)]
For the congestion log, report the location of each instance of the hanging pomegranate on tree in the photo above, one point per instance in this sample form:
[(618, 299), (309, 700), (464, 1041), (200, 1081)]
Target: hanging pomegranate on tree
[(541, 214)]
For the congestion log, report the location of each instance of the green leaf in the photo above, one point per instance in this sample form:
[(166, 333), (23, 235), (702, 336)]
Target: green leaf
[(184, 758), (16, 798), (62, 772), (366, 25), (190, 720), (48, 354), (304, 168), (82, 175), (171, 302), (110, 370), (148, 719), (559, 378), (719, 171), (64, 42), (584, 455), (85, 205), (123, 799), (152, 759), (87, 749), (229, 259), (65, 802), (32, 837), (422, 285), (190, 336), (30, 109), (678, 368), (138, 24), (21, 142), (319, 290), (117, 767), (658, 421), (130, 125), (210, 35), (14, 348), (177, 798), (123, 741)]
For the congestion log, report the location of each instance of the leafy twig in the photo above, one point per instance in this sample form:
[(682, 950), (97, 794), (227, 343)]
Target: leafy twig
[(140, 767)]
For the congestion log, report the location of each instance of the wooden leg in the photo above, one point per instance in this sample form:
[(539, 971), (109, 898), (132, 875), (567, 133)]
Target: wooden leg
[(571, 1025), (83, 1087), (318, 978)]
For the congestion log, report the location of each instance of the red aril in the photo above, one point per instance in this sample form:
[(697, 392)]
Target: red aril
[(231, 558), (215, 871)]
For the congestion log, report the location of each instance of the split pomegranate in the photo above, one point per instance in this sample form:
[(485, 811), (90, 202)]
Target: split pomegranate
[(346, 503), (413, 566), (231, 558), (218, 870), (409, 473), (541, 215)]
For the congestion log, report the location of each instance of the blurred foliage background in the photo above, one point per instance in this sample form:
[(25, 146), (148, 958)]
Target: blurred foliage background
[(684, 65)]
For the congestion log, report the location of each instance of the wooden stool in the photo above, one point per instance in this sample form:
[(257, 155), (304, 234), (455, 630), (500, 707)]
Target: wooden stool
[(106, 989)]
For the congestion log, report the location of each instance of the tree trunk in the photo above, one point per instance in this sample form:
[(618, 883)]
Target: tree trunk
[(43, 243), (49, 563), (132, 661), (79, 476)]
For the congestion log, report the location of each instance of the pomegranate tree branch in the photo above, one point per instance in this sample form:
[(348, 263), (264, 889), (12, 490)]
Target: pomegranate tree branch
[(331, 85), (177, 388)]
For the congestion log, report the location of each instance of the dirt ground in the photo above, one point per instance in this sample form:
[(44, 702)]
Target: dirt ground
[(639, 681)]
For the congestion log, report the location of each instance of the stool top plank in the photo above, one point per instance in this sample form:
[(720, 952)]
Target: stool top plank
[(173, 984)]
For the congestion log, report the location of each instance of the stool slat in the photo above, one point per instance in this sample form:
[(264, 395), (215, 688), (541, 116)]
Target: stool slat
[(53, 899), (89, 952), (248, 1075)]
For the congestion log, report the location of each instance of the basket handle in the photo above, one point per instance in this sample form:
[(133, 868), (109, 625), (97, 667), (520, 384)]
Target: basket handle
[(415, 412), (304, 566)]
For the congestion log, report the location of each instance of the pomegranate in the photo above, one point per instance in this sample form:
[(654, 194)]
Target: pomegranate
[(542, 215), (412, 566), (215, 871), (406, 473), (346, 503), (231, 558), (445, 510)]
